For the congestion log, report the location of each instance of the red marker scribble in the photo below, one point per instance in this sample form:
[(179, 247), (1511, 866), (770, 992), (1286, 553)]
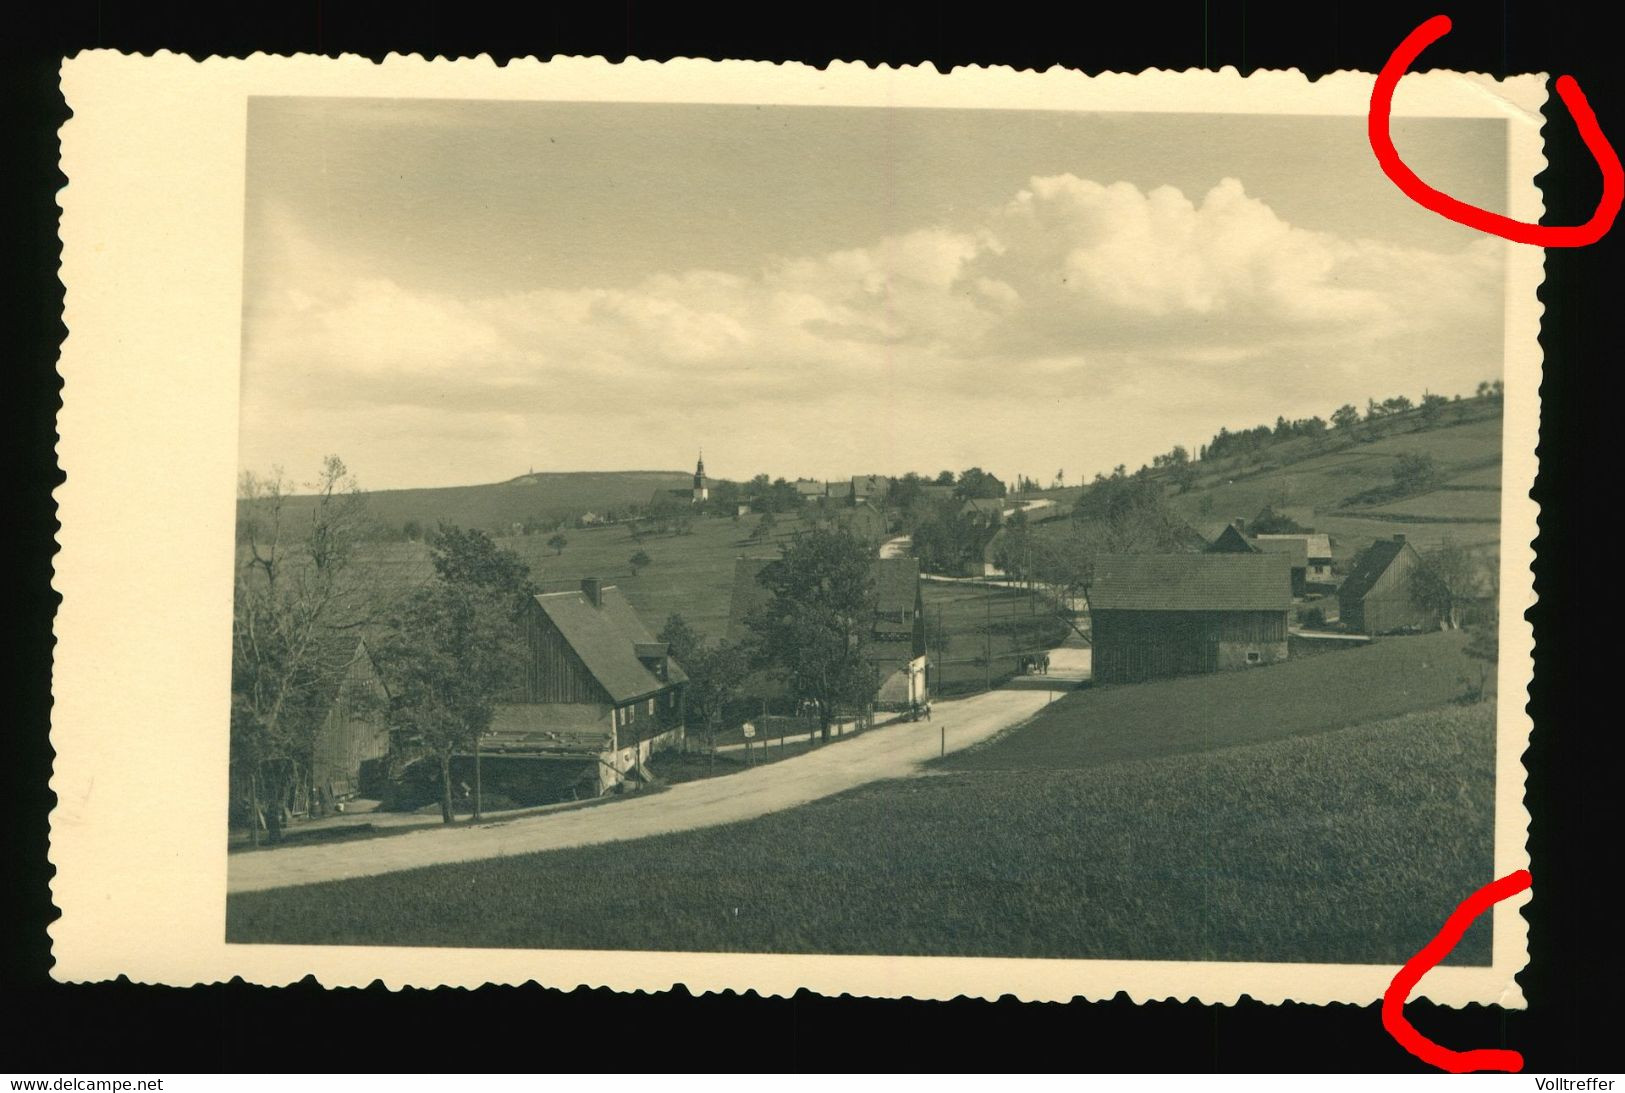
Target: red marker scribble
[(1579, 235), (1393, 1002)]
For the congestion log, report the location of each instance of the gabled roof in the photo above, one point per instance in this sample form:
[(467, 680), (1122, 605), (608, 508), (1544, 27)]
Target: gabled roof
[(606, 639), (987, 506), (809, 487), (1315, 544), (568, 727), (1231, 541), (864, 485), (1191, 582), (1293, 546), (1369, 568)]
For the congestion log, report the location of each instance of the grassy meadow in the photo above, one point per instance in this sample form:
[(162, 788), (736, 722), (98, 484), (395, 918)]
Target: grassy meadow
[(1303, 696), (1347, 846)]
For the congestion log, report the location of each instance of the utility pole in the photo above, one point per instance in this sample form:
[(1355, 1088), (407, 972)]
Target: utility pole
[(478, 815), (987, 635)]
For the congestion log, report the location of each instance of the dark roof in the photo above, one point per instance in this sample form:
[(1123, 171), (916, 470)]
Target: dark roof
[(572, 727), (987, 506), (1231, 541), (865, 484), (606, 639), (1369, 568), (1191, 582), (1294, 548)]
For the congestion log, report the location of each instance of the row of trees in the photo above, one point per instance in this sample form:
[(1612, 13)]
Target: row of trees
[(448, 646)]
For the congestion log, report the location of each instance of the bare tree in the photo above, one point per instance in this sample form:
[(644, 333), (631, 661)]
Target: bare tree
[(295, 589)]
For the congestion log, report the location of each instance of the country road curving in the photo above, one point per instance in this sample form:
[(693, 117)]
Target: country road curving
[(892, 752)]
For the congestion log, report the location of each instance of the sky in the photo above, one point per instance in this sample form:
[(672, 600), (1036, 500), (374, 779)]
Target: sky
[(454, 292)]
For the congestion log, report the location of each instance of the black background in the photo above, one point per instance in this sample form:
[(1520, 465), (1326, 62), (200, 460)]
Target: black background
[(1572, 761)]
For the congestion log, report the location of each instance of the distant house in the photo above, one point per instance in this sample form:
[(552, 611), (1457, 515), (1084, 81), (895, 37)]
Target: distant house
[(1375, 598), (1160, 615), (865, 521), (896, 642), (351, 747), (599, 695), (1295, 549), (869, 487), (810, 489), (993, 508), (1317, 549), (1231, 541)]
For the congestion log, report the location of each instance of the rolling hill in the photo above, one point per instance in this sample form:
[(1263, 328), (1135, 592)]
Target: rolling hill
[(499, 505)]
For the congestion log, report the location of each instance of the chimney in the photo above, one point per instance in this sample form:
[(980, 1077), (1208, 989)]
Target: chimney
[(593, 589), (1239, 524), (1399, 537)]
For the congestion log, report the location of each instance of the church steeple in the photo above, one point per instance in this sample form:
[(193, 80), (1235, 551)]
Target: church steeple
[(701, 490)]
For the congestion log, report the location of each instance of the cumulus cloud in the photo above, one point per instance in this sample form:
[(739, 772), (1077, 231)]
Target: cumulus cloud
[(1070, 286)]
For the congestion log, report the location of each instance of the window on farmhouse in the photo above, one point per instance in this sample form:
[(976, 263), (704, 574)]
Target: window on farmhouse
[(1252, 658)]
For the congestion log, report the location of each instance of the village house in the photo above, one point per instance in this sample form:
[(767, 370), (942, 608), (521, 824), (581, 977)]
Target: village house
[(810, 489), (896, 642), (350, 751), (1231, 540), (1160, 615), (1294, 549), (1375, 598), (1317, 549), (868, 487), (598, 697)]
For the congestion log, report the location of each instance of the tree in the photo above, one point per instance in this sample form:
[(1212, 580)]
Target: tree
[(945, 478), (764, 527), (293, 593), (716, 672), (1345, 416), (1414, 472), (468, 556), (974, 482), (558, 542), (638, 561), (452, 648), (814, 630), (1445, 583), (1432, 407), (412, 530)]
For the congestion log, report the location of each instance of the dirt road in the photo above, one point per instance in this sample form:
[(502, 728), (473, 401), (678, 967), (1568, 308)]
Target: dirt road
[(891, 752)]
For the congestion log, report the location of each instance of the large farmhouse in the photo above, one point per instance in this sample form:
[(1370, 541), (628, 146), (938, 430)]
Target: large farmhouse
[(598, 696), (1376, 598), (1157, 615)]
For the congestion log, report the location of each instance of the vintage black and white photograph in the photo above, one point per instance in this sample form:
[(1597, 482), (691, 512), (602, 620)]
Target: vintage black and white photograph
[(840, 530)]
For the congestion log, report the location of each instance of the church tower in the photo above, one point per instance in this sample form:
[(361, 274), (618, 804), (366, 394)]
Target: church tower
[(701, 491)]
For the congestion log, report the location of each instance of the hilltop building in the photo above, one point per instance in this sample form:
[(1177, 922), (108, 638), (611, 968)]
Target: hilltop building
[(1160, 615), (702, 492)]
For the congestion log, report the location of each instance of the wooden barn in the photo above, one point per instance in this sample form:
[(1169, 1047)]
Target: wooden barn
[(1375, 598), (1160, 615), (351, 746), (599, 695)]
